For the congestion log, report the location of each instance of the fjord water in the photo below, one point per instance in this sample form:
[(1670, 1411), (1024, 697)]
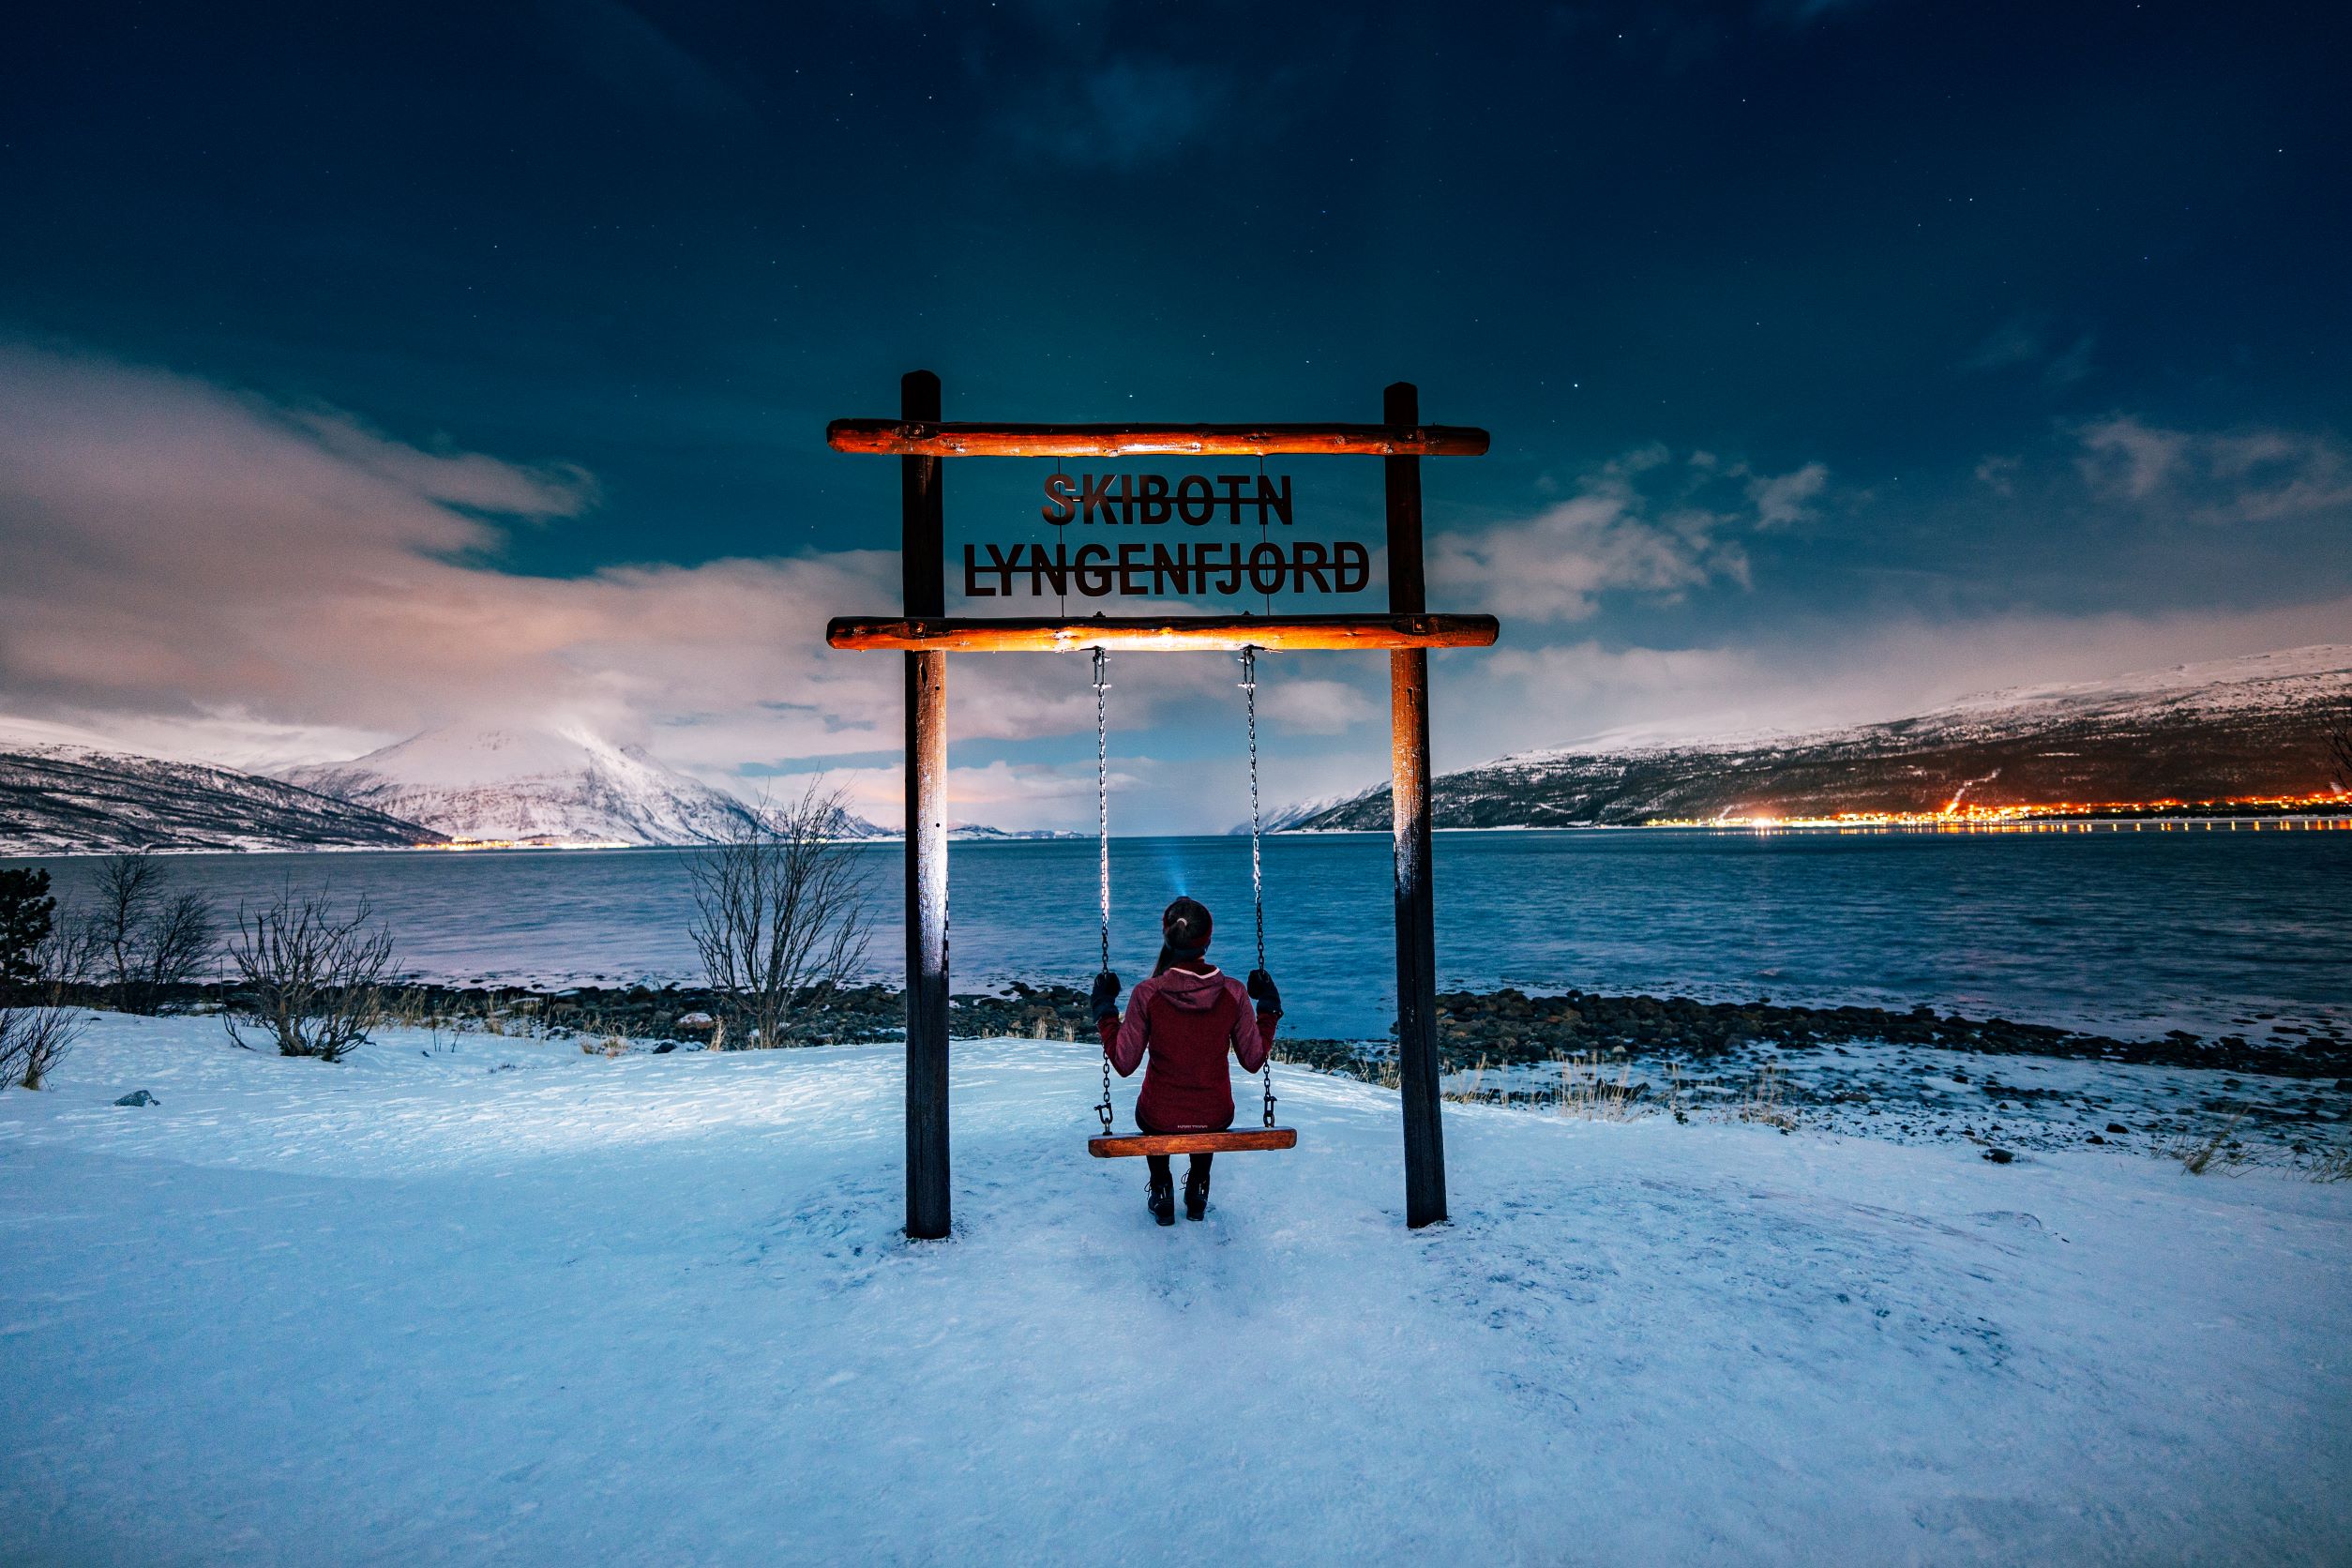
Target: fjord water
[(2128, 932)]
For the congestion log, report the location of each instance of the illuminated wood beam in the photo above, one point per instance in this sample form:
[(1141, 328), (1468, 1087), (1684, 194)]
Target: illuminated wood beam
[(1167, 634), (930, 438), (1194, 1143)]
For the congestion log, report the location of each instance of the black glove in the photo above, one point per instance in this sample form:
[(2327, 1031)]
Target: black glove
[(1106, 997), (1261, 991)]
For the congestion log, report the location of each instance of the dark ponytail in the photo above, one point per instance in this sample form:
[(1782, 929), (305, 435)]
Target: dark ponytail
[(1184, 926)]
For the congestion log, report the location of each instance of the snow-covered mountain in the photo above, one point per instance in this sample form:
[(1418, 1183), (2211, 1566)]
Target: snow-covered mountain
[(981, 833), (2231, 728), (505, 785), (512, 784), (1282, 818), (83, 799)]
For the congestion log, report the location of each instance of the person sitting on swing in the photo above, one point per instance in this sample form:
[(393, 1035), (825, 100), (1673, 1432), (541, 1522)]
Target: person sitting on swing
[(1185, 1018)]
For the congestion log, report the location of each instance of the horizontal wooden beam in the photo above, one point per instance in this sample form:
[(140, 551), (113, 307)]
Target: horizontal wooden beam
[(1167, 634), (902, 437), (1194, 1143)]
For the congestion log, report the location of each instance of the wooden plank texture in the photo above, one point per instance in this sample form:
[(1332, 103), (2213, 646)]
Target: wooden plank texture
[(935, 438), (1194, 1143), (1168, 634)]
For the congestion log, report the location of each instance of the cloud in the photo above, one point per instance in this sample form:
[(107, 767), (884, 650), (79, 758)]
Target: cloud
[(464, 479), (2121, 456), (637, 61), (203, 573), (2026, 340), (1806, 673), (2071, 365), (1781, 500), (1127, 111), (1619, 690), (199, 573), (2016, 342), (2157, 490), (1999, 474), (1801, 13), (2241, 476), (1314, 707), (1645, 522), (224, 577), (1015, 796)]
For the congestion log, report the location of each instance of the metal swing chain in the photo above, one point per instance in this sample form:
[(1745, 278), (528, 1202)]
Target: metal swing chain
[(1101, 825), (1257, 866)]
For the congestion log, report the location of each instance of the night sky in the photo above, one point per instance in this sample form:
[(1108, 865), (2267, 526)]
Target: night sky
[(363, 372)]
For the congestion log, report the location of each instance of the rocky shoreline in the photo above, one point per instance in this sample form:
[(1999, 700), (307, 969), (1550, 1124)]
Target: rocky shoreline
[(1509, 1027), (1498, 1029)]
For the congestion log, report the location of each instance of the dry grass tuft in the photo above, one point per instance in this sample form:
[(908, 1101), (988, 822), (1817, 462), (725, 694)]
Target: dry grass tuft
[(1472, 1092), (1766, 1100), (1586, 1094), (2215, 1149), (2331, 1165)]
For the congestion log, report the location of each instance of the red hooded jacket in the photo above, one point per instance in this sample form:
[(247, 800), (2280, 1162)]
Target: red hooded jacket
[(1187, 1021)]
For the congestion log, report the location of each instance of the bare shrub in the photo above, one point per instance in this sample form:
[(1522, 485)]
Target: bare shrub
[(781, 914), (33, 1040), (309, 980), (26, 911), (146, 938), (36, 1028)]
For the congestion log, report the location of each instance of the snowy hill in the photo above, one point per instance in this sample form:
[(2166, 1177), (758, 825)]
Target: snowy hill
[(516, 785), (1282, 818), (2232, 728), (78, 799)]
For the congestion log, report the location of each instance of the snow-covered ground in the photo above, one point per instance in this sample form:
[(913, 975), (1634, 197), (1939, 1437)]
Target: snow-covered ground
[(514, 1304)]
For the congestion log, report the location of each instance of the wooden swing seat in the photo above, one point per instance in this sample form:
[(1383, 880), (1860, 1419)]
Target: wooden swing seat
[(1235, 1142)]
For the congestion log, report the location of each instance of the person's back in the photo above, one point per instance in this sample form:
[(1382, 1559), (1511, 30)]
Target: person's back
[(1183, 1021), (1188, 1019)]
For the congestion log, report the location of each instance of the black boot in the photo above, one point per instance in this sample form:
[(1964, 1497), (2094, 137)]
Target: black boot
[(1197, 1192), (1163, 1198)]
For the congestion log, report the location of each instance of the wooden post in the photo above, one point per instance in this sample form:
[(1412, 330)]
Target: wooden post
[(923, 569), (1408, 791)]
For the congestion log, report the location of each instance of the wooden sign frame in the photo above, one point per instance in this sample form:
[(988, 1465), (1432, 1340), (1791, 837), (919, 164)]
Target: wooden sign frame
[(924, 631)]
